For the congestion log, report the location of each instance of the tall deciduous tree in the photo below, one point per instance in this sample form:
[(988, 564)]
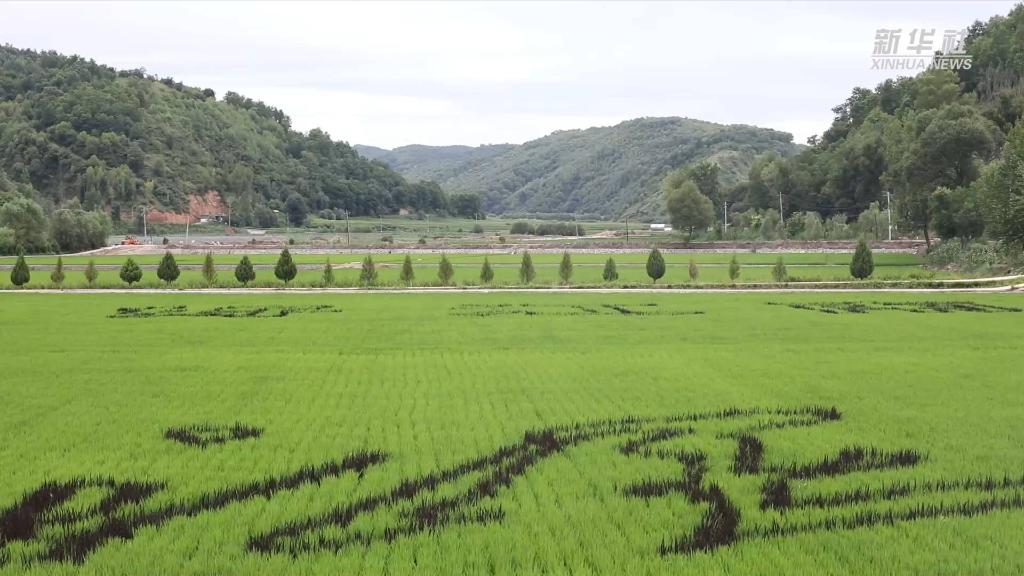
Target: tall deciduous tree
[(688, 209)]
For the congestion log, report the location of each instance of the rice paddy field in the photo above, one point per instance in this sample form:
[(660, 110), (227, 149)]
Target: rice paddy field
[(471, 433), (587, 268)]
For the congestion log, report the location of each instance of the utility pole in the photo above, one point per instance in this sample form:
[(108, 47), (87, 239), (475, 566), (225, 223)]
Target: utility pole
[(782, 217), (188, 220), (381, 217), (725, 218), (428, 225), (627, 230), (888, 209), (348, 231)]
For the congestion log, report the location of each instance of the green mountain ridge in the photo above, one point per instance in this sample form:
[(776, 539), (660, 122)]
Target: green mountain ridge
[(81, 133), (607, 172)]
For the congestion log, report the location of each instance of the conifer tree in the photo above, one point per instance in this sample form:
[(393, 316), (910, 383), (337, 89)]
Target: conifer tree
[(168, 270), (863, 264), (526, 271), (611, 272), (445, 270), (244, 272), (408, 275), (285, 269), (655, 265), (779, 273), (328, 277), (130, 272), (20, 274), (486, 272), (368, 275), (734, 269), (565, 268), (57, 276), (90, 273), (209, 270), (693, 270)]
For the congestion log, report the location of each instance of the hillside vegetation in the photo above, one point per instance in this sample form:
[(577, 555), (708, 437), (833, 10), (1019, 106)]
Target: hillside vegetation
[(947, 144), (83, 133), (606, 171)]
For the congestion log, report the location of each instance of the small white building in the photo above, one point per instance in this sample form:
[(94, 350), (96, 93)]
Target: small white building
[(657, 227)]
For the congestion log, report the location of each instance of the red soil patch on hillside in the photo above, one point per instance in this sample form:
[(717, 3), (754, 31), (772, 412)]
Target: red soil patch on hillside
[(199, 206)]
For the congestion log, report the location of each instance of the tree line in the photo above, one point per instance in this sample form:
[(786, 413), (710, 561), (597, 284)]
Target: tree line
[(285, 270)]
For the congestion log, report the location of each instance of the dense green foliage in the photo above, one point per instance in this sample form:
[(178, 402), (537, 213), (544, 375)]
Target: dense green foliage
[(285, 269), (863, 264), (607, 171), (925, 139), (76, 130), (688, 209), (244, 272), (130, 272), (168, 270), (655, 265), (20, 274)]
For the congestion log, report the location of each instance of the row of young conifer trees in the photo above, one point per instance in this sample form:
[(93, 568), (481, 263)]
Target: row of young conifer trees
[(861, 266)]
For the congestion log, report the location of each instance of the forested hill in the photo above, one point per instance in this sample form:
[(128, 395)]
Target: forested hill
[(607, 171), (947, 145), (74, 129)]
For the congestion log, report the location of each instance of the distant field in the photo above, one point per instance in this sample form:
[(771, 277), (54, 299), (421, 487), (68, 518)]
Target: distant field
[(511, 434), (587, 268)]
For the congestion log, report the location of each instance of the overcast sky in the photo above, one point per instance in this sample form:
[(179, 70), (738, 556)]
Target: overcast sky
[(393, 73)]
